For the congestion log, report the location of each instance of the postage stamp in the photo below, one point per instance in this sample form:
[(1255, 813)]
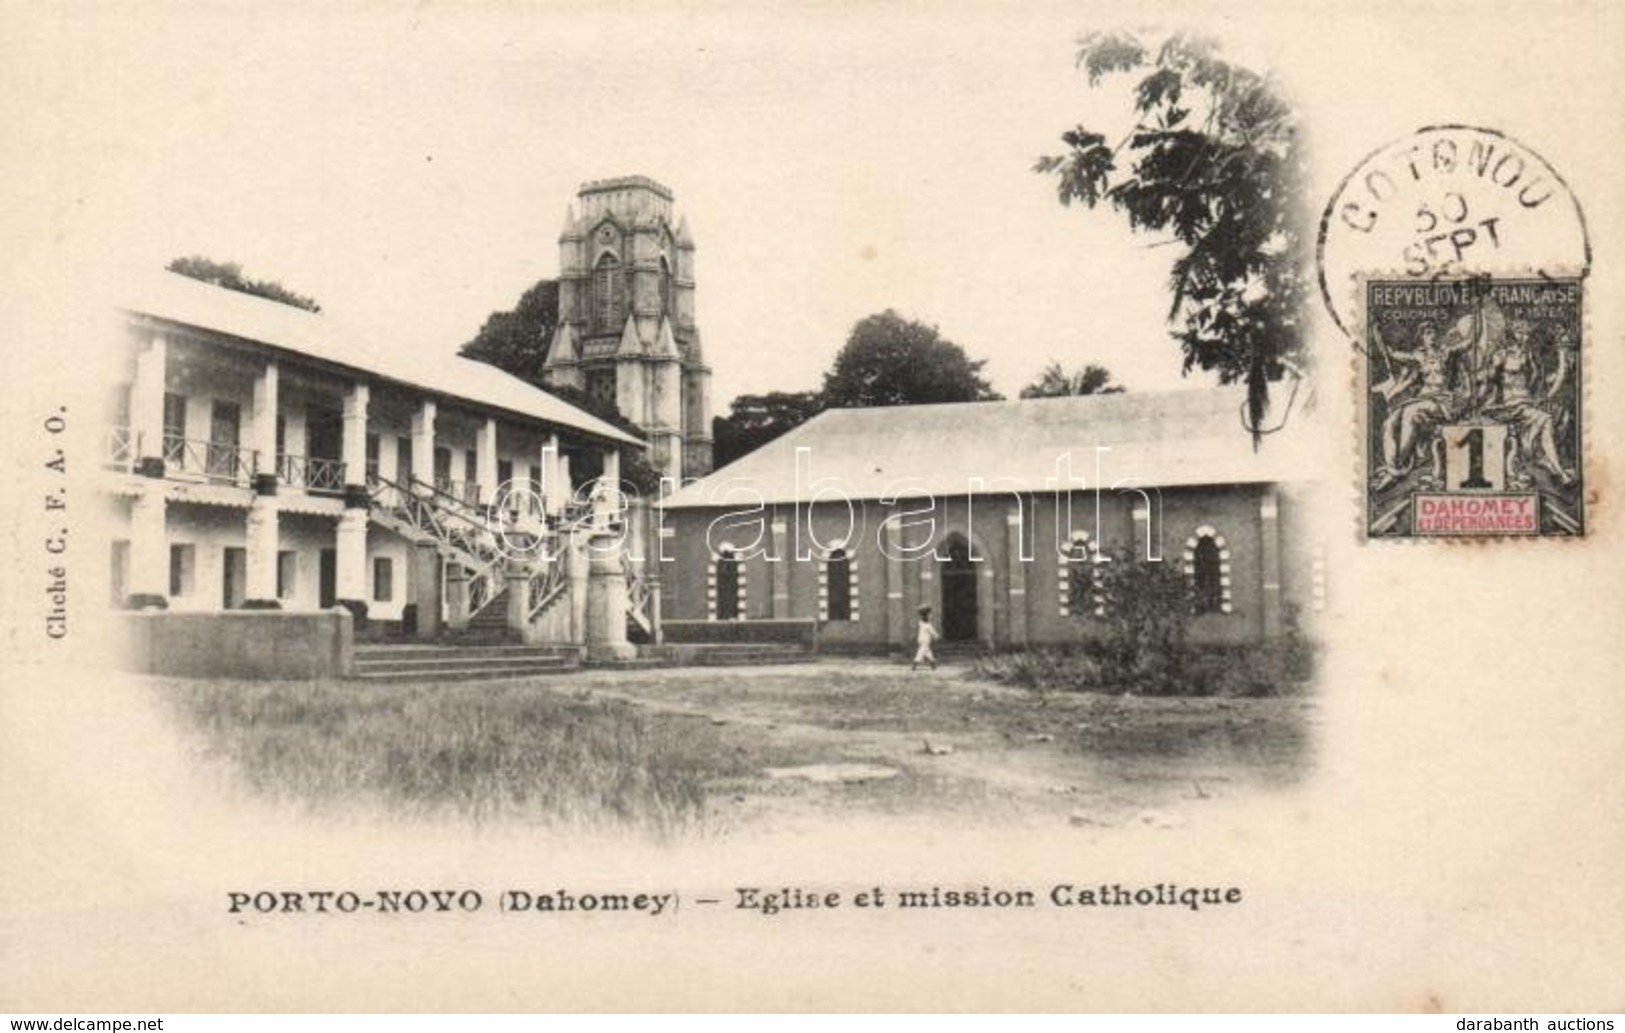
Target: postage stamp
[(1472, 392)]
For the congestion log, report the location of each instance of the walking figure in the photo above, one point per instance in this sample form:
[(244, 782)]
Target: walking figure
[(924, 636)]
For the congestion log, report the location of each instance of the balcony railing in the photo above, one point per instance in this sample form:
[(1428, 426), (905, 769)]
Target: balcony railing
[(466, 492), (312, 473), (216, 460)]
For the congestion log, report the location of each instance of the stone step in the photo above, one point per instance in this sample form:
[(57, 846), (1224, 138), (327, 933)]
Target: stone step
[(478, 672), (457, 663), (439, 651), (637, 663)]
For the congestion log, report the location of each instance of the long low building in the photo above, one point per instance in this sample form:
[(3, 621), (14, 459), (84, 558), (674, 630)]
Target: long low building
[(259, 456), (995, 514)]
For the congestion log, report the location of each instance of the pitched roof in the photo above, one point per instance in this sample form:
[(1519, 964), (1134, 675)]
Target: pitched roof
[(1161, 439), (180, 299)]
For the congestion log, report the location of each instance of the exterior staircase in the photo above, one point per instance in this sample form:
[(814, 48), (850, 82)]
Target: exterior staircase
[(458, 662), (490, 624)]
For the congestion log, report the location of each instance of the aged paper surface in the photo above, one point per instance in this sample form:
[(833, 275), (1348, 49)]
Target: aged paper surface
[(1456, 842)]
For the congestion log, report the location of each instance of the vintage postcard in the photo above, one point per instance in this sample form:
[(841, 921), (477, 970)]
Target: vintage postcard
[(857, 507)]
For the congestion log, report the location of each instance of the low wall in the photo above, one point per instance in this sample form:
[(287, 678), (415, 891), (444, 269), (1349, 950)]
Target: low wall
[(252, 644), (803, 632)]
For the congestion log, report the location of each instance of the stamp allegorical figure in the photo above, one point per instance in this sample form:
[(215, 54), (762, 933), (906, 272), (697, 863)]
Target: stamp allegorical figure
[(1528, 403), (1475, 431), (1435, 401)]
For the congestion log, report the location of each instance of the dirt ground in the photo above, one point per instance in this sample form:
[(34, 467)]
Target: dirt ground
[(849, 737)]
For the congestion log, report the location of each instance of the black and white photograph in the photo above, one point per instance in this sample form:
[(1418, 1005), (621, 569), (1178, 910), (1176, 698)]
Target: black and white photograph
[(683, 507)]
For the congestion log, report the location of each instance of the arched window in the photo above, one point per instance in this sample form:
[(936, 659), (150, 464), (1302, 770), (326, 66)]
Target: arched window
[(1207, 571), (838, 587), (1081, 588), (725, 586), (608, 294), (665, 288)]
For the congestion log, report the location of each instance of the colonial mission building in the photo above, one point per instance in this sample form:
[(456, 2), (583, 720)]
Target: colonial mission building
[(263, 457), (260, 456), (994, 514)]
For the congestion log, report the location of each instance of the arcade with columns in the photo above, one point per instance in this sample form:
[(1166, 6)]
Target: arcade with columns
[(258, 459)]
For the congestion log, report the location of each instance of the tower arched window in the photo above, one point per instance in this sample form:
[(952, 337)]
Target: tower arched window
[(1207, 571), (665, 288), (608, 294)]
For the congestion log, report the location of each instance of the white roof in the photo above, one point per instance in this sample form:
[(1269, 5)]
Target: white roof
[(1153, 439), (180, 299)]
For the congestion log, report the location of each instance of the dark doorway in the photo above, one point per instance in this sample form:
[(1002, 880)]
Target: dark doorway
[(327, 579), (727, 586), (234, 575), (958, 592), (838, 584), (225, 424), (324, 435)]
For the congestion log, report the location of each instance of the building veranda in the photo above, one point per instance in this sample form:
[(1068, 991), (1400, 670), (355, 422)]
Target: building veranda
[(259, 457)]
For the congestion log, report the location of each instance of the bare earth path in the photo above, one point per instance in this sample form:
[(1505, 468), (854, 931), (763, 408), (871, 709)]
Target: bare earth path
[(841, 737)]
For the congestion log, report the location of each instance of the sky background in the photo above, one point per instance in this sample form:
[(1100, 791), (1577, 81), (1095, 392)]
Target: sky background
[(411, 171), (410, 167)]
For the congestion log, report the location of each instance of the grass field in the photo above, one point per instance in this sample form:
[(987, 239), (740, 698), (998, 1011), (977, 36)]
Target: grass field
[(493, 751), (683, 751)]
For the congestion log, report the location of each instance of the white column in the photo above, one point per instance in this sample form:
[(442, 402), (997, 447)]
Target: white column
[(1269, 512), (263, 535), (263, 541), (554, 493), (351, 562), (149, 548), (606, 493), (423, 442), (567, 489), (262, 438), (147, 403), (355, 437), (484, 473)]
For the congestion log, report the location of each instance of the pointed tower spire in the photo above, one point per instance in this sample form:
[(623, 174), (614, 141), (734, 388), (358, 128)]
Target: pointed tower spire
[(630, 344), (684, 237), (665, 342), (564, 347), (571, 229)]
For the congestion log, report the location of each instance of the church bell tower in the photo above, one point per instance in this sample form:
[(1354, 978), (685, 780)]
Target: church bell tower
[(626, 328)]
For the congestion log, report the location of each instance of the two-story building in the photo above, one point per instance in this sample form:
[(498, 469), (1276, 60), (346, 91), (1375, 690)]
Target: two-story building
[(261, 456)]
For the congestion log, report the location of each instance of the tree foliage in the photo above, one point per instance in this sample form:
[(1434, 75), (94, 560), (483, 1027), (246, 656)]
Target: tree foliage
[(1147, 608), (516, 340), (754, 420), (1215, 161), (889, 360), (1056, 381), (230, 276)]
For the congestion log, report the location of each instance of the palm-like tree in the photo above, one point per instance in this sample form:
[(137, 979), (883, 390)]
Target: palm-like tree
[(1056, 381)]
